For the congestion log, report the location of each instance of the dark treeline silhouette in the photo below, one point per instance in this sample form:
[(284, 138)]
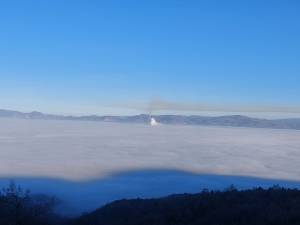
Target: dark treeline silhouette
[(20, 207), (273, 206)]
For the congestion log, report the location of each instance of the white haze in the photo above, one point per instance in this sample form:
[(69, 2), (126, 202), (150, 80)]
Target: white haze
[(162, 106), (87, 150)]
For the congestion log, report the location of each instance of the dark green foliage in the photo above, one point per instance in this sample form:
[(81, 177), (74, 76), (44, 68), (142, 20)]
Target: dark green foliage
[(19, 207), (275, 206)]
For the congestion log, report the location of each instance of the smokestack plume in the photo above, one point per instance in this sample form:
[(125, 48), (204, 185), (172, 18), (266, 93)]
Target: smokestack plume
[(153, 122)]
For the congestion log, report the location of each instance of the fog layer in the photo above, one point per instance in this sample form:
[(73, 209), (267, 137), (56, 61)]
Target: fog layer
[(76, 150)]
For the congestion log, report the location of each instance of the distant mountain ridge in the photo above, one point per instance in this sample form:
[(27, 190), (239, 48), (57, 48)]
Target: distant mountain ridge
[(231, 120)]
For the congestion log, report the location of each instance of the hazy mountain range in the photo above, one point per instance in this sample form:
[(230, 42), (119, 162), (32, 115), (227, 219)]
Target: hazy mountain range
[(231, 120)]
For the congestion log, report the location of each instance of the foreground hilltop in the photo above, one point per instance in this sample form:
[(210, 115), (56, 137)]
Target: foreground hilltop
[(232, 120), (274, 206)]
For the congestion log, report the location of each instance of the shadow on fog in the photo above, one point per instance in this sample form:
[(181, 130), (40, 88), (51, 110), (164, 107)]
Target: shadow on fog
[(79, 197)]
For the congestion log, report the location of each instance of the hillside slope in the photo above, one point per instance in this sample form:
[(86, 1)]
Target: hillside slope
[(274, 206)]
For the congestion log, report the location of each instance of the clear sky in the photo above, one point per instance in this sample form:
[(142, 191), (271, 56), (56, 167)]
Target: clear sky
[(81, 57)]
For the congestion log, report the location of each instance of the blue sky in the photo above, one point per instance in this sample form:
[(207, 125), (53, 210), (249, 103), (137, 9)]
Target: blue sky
[(82, 57)]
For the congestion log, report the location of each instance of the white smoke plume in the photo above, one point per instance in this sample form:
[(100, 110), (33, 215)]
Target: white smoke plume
[(153, 122)]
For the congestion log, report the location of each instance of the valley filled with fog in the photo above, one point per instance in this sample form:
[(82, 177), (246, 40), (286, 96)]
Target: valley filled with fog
[(88, 164), (76, 150)]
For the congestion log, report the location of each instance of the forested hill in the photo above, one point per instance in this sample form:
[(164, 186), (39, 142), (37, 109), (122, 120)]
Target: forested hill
[(275, 206)]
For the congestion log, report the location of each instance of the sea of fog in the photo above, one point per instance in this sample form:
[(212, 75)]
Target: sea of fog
[(87, 164)]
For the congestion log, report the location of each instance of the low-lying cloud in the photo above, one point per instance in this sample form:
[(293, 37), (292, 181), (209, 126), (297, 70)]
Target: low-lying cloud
[(87, 150)]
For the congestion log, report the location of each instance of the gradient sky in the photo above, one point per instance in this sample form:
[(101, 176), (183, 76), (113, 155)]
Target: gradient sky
[(83, 56)]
